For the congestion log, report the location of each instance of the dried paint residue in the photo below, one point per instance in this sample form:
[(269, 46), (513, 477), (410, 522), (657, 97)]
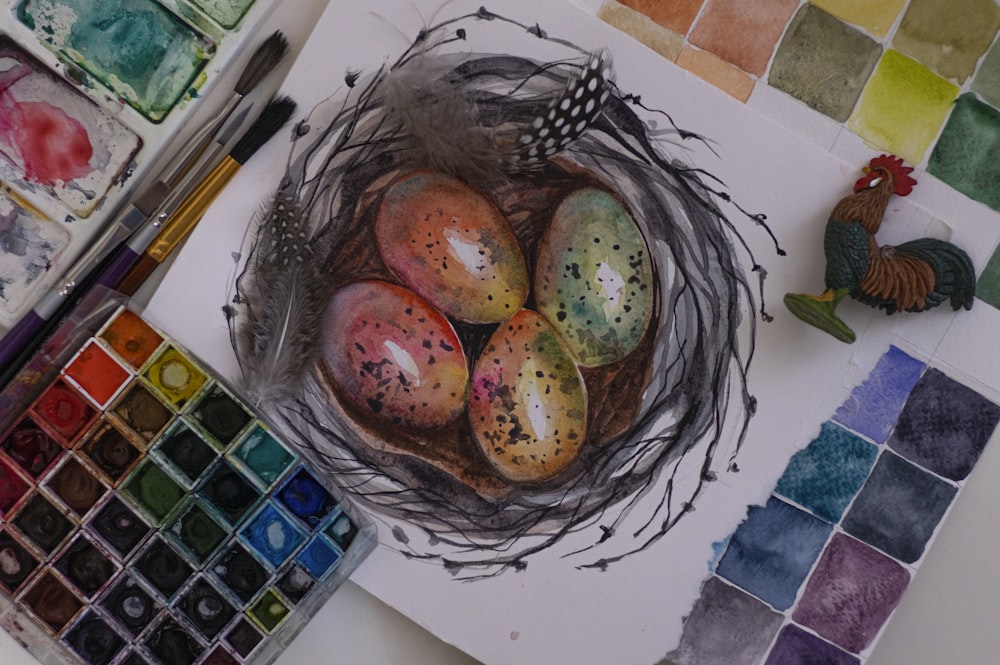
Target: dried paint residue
[(137, 48), (53, 138), (29, 244)]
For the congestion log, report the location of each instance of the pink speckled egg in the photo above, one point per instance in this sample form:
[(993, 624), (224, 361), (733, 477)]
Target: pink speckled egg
[(452, 246), (393, 355), (528, 402)]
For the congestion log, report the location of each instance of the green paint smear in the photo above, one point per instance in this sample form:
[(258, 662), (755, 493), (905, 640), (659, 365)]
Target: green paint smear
[(154, 490), (966, 155), (903, 107), (267, 458), (138, 49), (226, 13), (948, 36), (823, 62)]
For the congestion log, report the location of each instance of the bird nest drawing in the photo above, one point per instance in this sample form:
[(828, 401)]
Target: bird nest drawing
[(495, 307)]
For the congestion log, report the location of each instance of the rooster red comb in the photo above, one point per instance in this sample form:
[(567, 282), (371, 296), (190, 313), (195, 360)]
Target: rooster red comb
[(902, 182)]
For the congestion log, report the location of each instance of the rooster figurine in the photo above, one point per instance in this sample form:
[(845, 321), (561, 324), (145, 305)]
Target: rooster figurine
[(914, 276)]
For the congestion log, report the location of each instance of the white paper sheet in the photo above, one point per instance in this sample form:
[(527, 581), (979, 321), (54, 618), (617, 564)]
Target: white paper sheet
[(631, 613)]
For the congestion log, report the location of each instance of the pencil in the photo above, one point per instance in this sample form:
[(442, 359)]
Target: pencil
[(180, 225)]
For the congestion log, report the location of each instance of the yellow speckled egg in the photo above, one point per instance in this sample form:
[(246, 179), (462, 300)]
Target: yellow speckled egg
[(594, 277), (393, 355), (527, 401), (452, 246)]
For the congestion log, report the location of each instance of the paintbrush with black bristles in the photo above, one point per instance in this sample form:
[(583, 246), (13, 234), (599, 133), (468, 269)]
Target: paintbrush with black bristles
[(155, 242)]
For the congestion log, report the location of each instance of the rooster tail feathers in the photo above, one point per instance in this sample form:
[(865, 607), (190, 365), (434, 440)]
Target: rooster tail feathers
[(955, 276)]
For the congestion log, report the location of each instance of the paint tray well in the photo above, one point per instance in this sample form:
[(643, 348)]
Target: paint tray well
[(149, 515)]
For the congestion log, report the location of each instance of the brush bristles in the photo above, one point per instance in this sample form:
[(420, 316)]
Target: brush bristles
[(274, 116), (262, 62)]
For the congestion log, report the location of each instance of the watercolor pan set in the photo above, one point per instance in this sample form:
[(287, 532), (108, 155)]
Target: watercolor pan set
[(147, 515), (92, 93), (814, 575)]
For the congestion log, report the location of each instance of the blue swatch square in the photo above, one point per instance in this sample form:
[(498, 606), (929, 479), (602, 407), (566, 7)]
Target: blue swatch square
[(272, 535), (944, 426), (898, 508), (825, 476), (318, 557), (874, 406), (771, 552)]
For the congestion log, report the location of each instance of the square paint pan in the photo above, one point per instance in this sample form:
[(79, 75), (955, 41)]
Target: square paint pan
[(149, 515)]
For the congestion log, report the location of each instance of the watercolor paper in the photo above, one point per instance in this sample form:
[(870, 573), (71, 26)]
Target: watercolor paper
[(799, 381)]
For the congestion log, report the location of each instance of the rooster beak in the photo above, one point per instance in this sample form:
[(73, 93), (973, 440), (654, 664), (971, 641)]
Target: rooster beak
[(867, 170)]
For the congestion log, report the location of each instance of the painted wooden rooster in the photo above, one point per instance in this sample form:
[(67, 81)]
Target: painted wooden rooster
[(912, 277)]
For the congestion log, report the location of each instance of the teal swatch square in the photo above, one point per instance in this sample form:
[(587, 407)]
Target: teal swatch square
[(824, 477)]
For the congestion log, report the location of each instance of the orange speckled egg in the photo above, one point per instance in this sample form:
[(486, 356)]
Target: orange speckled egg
[(452, 246), (527, 402), (393, 355)]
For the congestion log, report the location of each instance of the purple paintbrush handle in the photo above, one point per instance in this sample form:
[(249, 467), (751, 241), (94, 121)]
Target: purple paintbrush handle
[(117, 267), (19, 337)]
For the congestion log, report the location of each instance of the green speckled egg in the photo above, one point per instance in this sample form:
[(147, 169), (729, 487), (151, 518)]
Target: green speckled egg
[(594, 277), (453, 247), (527, 401)]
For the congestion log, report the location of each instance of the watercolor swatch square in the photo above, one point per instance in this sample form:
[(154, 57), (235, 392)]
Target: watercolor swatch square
[(899, 508), (988, 286), (825, 476), (726, 626), (873, 406), (965, 156), (944, 426), (903, 107), (875, 16), (948, 36), (772, 551), (851, 593), (741, 33), (823, 62), (795, 646)]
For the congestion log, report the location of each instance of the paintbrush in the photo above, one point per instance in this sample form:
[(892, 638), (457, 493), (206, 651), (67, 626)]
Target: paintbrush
[(155, 242), (171, 187)]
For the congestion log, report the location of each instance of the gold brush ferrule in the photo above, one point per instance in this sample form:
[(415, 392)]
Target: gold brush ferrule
[(180, 224)]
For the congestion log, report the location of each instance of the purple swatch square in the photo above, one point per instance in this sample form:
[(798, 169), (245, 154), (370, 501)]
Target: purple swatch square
[(944, 426), (851, 593), (798, 647), (772, 551), (898, 508), (874, 406), (726, 625)]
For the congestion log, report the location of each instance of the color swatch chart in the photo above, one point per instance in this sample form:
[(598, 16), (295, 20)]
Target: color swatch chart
[(148, 516), (813, 575)]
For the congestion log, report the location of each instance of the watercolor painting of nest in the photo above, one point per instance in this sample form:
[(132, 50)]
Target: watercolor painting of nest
[(499, 310)]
